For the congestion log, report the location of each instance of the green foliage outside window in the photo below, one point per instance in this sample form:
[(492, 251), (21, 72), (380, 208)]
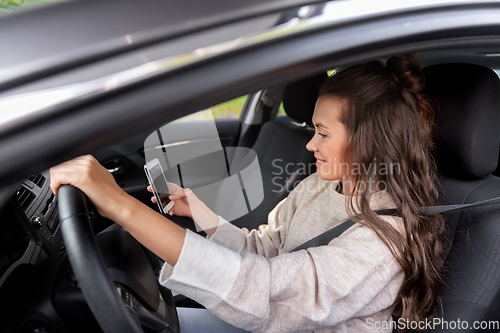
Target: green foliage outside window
[(8, 6), (227, 110), (281, 110)]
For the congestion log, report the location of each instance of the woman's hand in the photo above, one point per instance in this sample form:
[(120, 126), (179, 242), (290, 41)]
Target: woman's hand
[(153, 230), (181, 198), (94, 180), (186, 203)]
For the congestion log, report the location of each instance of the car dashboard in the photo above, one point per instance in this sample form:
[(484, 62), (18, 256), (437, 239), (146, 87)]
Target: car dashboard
[(39, 291), (29, 234), (29, 225)]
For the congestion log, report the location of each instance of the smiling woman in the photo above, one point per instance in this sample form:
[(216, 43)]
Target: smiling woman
[(388, 121), (369, 271), (330, 139), (97, 77)]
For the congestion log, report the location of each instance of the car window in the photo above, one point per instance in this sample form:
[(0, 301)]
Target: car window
[(8, 6), (281, 110), (227, 110)]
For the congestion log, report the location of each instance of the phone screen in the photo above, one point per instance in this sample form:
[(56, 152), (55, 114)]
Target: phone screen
[(160, 186)]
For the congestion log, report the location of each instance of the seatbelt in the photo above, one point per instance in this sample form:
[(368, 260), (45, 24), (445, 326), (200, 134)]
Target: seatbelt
[(448, 208), (327, 236)]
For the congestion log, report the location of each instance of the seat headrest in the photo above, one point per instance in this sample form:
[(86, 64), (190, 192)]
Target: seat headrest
[(468, 118), (299, 98)]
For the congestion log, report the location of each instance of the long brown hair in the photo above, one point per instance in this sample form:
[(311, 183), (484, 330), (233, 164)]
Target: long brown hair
[(389, 123)]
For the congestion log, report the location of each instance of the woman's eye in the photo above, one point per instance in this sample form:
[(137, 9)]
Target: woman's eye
[(322, 135)]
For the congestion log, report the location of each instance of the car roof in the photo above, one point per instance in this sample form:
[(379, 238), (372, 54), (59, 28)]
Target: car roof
[(52, 38), (60, 35)]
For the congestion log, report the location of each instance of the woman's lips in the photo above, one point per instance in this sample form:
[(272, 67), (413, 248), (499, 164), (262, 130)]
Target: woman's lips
[(319, 162)]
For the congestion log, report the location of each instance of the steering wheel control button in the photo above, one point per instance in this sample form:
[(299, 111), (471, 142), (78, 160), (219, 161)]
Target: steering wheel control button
[(37, 222), (127, 298)]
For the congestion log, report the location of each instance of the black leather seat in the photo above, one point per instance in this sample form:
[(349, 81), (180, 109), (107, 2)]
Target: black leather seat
[(281, 148), (468, 138)]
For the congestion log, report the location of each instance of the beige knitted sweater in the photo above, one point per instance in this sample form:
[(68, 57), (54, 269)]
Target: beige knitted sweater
[(249, 279)]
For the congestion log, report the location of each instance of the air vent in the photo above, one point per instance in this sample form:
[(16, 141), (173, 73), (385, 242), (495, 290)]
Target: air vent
[(38, 180), (25, 197)]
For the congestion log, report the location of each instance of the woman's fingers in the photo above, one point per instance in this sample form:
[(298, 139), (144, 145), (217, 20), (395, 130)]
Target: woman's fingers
[(180, 196), (153, 198), (174, 188), (67, 173), (75, 172), (177, 196), (93, 179)]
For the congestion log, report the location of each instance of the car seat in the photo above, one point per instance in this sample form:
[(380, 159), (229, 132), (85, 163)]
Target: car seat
[(281, 148), (467, 148)]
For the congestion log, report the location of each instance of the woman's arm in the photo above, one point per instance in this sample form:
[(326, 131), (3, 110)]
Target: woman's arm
[(355, 276), (156, 232), (266, 240)]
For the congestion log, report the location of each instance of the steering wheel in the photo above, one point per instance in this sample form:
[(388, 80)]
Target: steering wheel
[(100, 292)]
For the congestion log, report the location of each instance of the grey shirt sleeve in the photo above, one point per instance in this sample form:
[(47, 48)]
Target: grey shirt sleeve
[(266, 240)]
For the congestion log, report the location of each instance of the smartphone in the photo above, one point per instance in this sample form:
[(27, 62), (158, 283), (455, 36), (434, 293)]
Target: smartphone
[(158, 182)]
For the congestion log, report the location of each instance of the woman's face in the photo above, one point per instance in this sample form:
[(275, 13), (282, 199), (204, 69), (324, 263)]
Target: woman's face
[(329, 139)]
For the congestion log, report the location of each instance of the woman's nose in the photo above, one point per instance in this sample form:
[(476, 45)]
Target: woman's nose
[(311, 145)]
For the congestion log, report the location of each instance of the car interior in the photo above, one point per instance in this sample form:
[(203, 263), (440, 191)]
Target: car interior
[(467, 155), (39, 291)]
